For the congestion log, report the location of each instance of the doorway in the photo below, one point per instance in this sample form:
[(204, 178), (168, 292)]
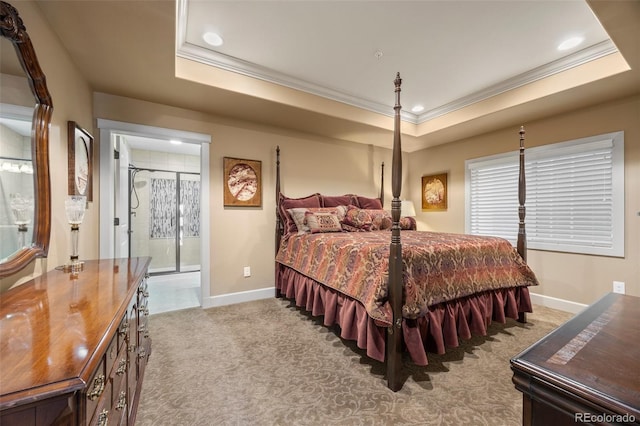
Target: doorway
[(126, 147)]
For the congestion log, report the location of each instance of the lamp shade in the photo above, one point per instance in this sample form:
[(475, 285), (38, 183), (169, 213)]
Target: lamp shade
[(407, 209)]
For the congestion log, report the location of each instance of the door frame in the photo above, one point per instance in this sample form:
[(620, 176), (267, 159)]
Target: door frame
[(108, 191)]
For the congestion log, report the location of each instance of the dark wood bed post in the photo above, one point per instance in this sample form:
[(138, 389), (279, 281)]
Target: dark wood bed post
[(394, 332), (382, 184), (522, 233), (278, 221)]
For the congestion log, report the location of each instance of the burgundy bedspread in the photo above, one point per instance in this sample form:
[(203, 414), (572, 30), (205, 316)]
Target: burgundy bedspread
[(438, 267)]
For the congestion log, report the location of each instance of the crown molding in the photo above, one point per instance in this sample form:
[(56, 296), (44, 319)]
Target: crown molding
[(581, 57), (205, 56)]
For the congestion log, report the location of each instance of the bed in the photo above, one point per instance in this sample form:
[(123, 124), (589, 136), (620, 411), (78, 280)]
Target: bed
[(389, 287)]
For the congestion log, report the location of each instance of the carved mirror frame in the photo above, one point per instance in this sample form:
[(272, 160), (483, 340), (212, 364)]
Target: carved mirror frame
[(12, 28)]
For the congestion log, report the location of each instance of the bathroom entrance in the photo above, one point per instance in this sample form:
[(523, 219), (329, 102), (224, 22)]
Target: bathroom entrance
[(164, 219)]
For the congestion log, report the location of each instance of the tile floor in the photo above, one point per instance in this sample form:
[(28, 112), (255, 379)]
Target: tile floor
[(173, 291)]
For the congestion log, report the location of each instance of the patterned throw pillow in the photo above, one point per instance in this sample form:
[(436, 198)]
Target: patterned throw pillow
[(323, 222), (299, 215), (339, 211), (380, 219), (358, 219), (407, 223)]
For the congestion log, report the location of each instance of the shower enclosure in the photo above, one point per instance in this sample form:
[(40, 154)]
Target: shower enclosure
[(164, 219)]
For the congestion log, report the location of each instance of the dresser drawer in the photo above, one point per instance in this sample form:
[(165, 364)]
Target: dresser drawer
[(111, 357), (120, 402), (123, 331), (102, 406), (95, 391)]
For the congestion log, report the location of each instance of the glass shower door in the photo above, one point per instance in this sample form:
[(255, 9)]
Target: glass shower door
[(165, 219), (154, 218), (189, 222)]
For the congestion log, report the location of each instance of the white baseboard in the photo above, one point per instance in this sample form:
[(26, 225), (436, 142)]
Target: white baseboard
[(555, 303), (240, 297)]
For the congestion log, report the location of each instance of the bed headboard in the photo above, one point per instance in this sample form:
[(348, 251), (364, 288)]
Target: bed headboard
[(280, 221)]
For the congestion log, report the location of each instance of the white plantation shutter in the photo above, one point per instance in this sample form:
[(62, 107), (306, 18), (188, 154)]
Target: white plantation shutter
[(494, 199), (574, 196)]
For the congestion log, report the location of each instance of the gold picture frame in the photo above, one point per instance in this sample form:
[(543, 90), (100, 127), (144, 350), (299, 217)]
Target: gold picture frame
[(434, 192), (242, 182), (80, 161)]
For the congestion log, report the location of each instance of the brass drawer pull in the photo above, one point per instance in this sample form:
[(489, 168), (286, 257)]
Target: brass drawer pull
[(122, 401), (122, 367), (103, 418), (98, 387)]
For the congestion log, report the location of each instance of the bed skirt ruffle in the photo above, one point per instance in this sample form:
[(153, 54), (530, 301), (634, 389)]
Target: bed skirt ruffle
[(443, 325)]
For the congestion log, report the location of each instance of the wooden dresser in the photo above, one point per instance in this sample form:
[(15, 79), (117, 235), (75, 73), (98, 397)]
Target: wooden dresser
[(73, 350), (587, 370)]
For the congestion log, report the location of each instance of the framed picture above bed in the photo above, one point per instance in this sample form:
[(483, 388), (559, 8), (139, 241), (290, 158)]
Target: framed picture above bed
[(434, 192), (242, 182)]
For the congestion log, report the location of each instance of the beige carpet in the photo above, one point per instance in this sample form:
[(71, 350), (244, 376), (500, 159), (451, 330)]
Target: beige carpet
[(266, 363)]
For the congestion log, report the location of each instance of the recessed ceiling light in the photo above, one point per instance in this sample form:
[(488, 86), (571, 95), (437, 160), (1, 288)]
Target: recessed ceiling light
[(570, 43), (175, 142), (417, 108), (212, 38)]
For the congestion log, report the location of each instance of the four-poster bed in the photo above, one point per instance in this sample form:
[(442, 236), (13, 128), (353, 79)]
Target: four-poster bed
[(387, 297)]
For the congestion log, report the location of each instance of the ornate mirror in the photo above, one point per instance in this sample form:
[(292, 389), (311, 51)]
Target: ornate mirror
[(25, 201)]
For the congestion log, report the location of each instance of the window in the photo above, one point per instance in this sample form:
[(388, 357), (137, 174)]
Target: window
[(574, 196)]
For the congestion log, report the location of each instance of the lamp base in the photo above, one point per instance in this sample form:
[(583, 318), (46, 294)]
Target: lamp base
[(74, 267)]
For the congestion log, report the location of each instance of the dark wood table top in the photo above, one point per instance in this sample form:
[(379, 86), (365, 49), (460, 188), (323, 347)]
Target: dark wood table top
[(53, 328), (595, 355)]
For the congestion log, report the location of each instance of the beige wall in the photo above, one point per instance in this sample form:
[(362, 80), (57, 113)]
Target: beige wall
[(572, 277), (72, 100)]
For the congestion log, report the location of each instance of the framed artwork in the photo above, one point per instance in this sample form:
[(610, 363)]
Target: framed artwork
[(434, 192), (80, 159), (242, 183)]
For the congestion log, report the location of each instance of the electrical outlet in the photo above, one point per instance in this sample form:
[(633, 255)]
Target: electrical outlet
[(247, 271), (618, 287)]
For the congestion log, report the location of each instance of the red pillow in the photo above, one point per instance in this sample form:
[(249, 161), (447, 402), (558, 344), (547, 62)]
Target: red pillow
[(369, 203), (338, 200), (286, 203)]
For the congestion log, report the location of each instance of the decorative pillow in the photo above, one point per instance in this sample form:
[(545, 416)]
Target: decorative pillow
[(299, 217), (408, 223), (297, 214), (339, 211), (357, 218), (323, 222), (286, 203), (380, 219), (338, 200), (369, 203)]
